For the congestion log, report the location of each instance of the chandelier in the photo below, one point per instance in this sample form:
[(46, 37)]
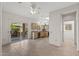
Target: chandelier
[(34, 9)]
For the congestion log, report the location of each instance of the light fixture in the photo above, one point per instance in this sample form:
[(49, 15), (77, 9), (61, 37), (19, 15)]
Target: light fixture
[(47, 18), (34, 9)]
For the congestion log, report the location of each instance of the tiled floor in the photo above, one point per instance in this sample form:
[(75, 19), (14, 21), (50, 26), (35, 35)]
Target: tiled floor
[(39, 47)]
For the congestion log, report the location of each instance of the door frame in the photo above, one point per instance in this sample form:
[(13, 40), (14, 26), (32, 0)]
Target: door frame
[(75, 27), (10, 30)]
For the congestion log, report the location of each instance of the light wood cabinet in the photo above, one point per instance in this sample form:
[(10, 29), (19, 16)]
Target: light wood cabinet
[(43, 34)]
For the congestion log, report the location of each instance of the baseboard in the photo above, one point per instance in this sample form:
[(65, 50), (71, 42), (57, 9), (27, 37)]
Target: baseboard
[(6, 44), (55, 44)]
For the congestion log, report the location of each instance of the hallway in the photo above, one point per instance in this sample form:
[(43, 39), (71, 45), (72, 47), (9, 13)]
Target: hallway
[(39, 47)]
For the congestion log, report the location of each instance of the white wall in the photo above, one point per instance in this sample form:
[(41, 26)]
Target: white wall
[(57, 16), (0, 28), (9, 18), (55, 29), (69, 34)]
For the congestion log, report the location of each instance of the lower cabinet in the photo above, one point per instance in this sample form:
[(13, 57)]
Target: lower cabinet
[(41, 34)]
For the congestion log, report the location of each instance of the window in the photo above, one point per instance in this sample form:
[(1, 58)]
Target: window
[(68, 26)]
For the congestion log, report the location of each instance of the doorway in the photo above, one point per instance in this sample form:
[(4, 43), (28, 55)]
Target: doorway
[(18, 31), (69, 30)]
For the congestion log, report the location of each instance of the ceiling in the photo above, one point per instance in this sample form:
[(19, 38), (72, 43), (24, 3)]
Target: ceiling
[(23, 8)]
